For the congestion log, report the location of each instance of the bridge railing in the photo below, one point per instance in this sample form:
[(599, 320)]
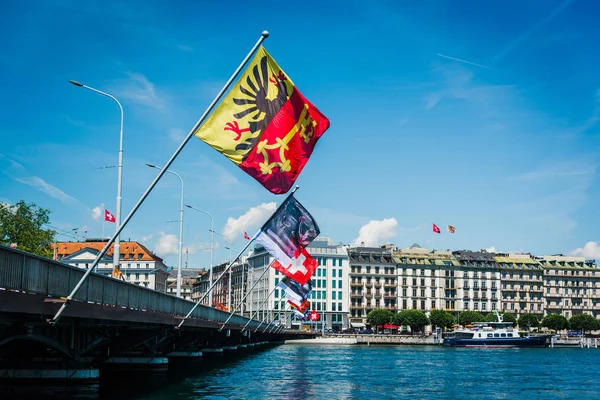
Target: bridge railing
[(33, 274)]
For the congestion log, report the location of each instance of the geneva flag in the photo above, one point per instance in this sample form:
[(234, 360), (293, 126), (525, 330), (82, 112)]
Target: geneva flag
[(285, 237), (265, 125)]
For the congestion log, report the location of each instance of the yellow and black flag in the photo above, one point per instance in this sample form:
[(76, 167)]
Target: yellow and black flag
[(265, 125)]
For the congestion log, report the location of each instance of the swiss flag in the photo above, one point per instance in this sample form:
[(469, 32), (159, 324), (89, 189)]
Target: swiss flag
[(246, 236), (436, 229), (301, 268), (314, 316), (109, 217)]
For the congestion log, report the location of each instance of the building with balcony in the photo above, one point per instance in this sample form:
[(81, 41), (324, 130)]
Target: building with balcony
[(372, 280), (522, 284), (478, 281), (571, 285), (138, 264), (189, 276)]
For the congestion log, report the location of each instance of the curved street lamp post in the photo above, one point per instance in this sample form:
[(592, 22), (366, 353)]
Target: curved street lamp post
[(212, 242), (117, 249)]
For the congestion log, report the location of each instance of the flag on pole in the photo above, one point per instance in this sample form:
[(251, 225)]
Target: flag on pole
[(294, 291), (246, 236), (436, 229), (302, 307), (314, 316), (109, 217), (285, 237), (451, 229), (265, 126)]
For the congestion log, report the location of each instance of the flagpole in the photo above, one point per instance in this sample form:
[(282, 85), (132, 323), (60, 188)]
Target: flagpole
[(69, 298), (238, 256), (246, 295)]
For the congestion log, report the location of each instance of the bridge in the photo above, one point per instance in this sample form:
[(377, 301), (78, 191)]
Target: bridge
[(109, 324)]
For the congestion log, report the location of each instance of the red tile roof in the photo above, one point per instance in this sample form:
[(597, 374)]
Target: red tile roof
[(130, 250)]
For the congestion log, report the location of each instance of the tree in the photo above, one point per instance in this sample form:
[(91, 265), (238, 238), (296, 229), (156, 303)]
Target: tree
[(22, 224), (508, 317), (584, 323), (468, 317), (555, 321), (416, 319), (440, 318), (379, 316), (528, 320)]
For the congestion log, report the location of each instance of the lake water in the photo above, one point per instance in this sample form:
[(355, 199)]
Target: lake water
[(361, 372)]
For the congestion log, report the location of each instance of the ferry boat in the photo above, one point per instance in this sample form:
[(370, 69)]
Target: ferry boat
[(493, 334)]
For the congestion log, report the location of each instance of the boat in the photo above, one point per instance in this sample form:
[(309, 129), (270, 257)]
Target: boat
[(493, 334)]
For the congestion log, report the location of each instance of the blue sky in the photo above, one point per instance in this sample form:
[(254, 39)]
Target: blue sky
[(483, 115)]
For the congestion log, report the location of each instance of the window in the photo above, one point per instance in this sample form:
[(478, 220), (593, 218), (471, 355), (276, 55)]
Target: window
[(140, 256), (137, 276), (339, 284), (333, 273), (324, 272), (146, 276), (276, 292), (340, 273), (131, 255), (333, 284)]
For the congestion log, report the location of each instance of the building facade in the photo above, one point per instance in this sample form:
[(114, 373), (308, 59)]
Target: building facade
[(330, 290), (138, 264), (522, 284), (571, 285), (373, 282), (189, 276)]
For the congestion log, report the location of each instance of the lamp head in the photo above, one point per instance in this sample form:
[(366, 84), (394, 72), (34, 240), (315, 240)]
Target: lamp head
[(76, 83), (151, 165)]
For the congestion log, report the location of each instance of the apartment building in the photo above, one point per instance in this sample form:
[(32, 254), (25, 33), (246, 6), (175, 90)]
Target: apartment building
[(522, 284), (373, 282), (571, 285), (478, 280)]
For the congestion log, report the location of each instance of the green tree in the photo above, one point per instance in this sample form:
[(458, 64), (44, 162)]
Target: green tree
[(468, 317), (528, 321), (416, 319), (22, 224), (584, 322), (440, 318), (555, 321), (379, 316), (508, 317)]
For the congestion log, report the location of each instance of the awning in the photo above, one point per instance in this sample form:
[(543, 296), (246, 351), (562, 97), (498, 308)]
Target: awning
[(390, 326), (357, 324)]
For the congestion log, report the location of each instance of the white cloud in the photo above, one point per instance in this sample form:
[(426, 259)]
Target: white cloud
[(176, 134), (491, 249), (147, 237), (377, 232), (248, 222), (591, 250), (47, 188), (97, 212), (138, 89), (167, 245)]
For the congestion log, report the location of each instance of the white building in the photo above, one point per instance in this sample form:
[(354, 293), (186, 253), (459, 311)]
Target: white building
[(138, 264), (329, 296)]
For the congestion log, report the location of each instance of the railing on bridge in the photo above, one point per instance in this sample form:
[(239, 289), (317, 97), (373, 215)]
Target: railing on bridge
[(33, 274)]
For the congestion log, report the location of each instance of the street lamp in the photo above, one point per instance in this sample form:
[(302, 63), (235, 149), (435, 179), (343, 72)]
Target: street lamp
[(229, 283), (117, 247), (212, 242), (56, 237), (180, 228)]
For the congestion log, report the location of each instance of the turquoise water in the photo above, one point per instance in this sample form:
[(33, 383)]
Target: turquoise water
[(361, 372)]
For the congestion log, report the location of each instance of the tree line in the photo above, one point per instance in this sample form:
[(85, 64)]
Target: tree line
[(418, 320)]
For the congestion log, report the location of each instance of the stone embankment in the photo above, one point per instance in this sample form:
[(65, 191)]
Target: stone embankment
[(369, 340)]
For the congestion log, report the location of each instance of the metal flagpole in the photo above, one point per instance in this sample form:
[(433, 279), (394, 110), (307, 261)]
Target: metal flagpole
[(69, 298), (246, 295), (259, 308), (238, 256)]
